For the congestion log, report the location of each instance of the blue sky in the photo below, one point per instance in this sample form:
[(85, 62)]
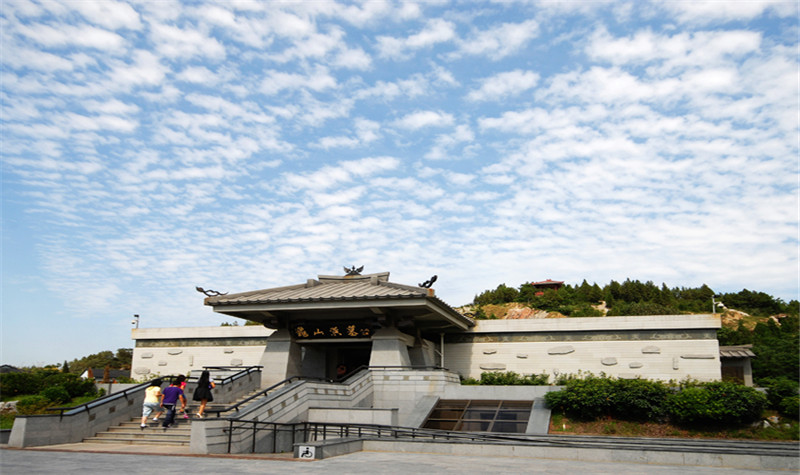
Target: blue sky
[(151, 147)]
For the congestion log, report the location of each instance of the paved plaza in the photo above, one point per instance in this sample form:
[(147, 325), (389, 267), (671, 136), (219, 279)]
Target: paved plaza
[(69, 460)]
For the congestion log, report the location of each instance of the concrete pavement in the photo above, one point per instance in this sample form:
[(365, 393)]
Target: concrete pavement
[(105, 458)]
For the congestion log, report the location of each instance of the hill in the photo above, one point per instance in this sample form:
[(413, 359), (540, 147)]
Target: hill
[(517, 311)]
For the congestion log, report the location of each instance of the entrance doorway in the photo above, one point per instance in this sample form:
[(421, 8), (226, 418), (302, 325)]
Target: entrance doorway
[(341, 360)]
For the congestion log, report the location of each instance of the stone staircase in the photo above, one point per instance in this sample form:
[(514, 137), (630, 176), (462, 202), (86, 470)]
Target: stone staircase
[(130, 433)]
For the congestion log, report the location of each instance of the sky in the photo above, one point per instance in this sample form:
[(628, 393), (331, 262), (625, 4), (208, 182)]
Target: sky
[(154, 146)]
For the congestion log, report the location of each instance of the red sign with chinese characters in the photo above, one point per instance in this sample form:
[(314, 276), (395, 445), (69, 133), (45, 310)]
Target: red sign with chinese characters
[(308, 331)]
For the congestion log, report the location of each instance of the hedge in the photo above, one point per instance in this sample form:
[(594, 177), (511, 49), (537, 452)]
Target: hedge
[(716, 404), (708, 404), (18, 384)]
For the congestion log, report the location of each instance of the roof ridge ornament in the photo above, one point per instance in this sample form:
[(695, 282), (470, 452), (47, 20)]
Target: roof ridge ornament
[(427, 284), (210, 293), (353, 270)]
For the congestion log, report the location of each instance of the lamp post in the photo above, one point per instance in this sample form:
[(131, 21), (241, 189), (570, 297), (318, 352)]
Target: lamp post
[(714, 304), (135, 321)]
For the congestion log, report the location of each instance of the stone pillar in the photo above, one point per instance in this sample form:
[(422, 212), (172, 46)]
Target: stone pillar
[(314, 361), (281, 358), (390, 348), (423, 354)]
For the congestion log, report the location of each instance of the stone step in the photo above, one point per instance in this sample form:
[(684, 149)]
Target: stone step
[(151, 423), (130, 433), (158, 434), (135, 428), (129, 441)]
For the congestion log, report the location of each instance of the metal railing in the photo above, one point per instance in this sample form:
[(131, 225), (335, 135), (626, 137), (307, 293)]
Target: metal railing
[(314, 432), (263, 392), (243, 371), (367, 367), (317, 431), (236, 407), (68, 411)]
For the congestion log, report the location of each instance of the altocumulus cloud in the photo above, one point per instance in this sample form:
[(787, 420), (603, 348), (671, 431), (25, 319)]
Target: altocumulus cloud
[(152, 147)]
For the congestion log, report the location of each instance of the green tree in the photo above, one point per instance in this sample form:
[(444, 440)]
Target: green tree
[(739, 336), (776, 350), (502, 294), (595, 294)]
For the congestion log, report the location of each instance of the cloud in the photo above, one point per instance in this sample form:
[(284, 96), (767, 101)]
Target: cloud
[(144, 70), (175, 143), (672, 53), (422, 119), (504, 84), (366, 131), (446, 142), (99, 122), (415, 86), (352, 58), (499, 41), (109, 14), (112, 106), (369, 13), (344, 172), (198, 75), (703, 12), (435, 31), (65, 36), (318, 80), (173, 42), (38, 60), (313, 46)]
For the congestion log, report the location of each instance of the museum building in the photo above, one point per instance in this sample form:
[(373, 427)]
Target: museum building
[(336, 356), (333, 325)]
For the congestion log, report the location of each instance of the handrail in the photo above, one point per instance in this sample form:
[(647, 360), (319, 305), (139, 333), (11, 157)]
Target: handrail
[(125, 392), (236, 406), (325, 430), (363, 431), (244, 371), (260, 393), (104, 399), (412, 367)]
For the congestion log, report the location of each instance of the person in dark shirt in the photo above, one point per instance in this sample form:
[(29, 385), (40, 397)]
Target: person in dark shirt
[(172, 395)]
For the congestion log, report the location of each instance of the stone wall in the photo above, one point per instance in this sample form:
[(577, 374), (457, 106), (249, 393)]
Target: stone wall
[(671, 347), (169, 351)]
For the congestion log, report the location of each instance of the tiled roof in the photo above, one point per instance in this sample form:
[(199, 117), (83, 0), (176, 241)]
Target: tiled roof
[(325, 292), (326, 289), (548, 282), (742, 351)]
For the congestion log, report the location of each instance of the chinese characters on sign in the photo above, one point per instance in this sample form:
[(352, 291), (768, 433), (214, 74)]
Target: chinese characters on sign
[(332, 330)]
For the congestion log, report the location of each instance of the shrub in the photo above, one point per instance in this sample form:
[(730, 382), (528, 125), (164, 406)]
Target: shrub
[(15, 384), (73, 383), (639, 399), (778, 389), (56, 394), (717, 404), (586, 310), (32, 405), (790, 407), (626, 399), (583, 399), (510, 378), (536, 379)]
